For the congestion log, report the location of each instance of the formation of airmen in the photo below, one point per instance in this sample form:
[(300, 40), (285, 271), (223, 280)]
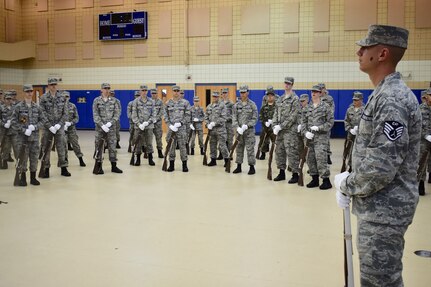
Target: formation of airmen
[(289, 122)]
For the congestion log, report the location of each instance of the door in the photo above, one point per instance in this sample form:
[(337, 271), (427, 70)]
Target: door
[(38, 91)]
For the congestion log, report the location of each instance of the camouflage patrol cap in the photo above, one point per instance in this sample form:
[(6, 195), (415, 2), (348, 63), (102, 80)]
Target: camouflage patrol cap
[(289, 80), (428, 91), (215, 94), (65, 94), (112, 93), (270, 91), (27, 88), (153, 91), (322, 85), (195, 99), (317, 88), (357, 95), (143, 88), (387, 35), (52, 81), (225, 90), (13, 93), (181, 92), (105, 86), (303, 97), (137, 93), (243, 88), (8, 95), (176, 88)]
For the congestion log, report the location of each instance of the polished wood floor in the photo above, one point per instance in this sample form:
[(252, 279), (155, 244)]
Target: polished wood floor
[(204, 228)]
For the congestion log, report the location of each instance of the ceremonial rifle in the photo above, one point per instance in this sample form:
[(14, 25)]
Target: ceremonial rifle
[(205, 160), (302, 161), (238, 138), (98, 156), (44, 155), (23, 119), (423, 161), (271, 153), (168, 148), (262, 139), (348, 145)]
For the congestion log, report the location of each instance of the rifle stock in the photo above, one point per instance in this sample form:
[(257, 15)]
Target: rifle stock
[(205, 159), (271, 153), (423, 161), (168, 148), (228, 163), (43, 156), (98, 156), (302, 161), (262, 139), (348, 144)]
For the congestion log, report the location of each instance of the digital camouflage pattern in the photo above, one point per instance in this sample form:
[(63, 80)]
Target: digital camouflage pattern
[(216, 112)]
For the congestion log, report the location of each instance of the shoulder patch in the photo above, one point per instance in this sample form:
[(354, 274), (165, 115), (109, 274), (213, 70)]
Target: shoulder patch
[(393, 130)]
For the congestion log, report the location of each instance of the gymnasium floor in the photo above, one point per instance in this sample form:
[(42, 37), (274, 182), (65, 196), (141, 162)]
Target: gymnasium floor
[(204, 228)]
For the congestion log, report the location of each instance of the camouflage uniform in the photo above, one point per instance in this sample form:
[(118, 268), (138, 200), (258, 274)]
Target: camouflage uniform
[(2, 131), (9, 134), (129, 117), (216, 113), (143, 111), (157, 131), (245, 113), (54, 112), (425, 132), (117, 123), (70, 131), (329, 100), (197, 113), (300, 121), (265, 97), (383, 184), (267, 113), (322, 117), (351, 120), (285, 116), (177, 111), (104, 112), (229, 128)]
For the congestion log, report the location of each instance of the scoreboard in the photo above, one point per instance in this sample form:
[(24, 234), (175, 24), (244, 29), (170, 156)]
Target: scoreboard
[(123, 26)]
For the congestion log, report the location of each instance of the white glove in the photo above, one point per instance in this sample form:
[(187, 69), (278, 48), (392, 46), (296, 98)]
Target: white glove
[(267, 124), (195, 119), (343, 200), (314, 128), (57, 126), (309, 135), (53, 129), (270, 121), (145, 124), (105, 128), (28, 132), (276, 129), (353, 131), (244, 127), (210, 126), (428, 138), (177, 125), (338, 179), (173, 128), (108, 125), (31, 127), (65, 127), (68, 124), (192, 127), (299, 128), (7, 124), (141, 126), (240, 130)]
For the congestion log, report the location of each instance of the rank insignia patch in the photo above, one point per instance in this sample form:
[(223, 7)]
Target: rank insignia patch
[(393, 130)]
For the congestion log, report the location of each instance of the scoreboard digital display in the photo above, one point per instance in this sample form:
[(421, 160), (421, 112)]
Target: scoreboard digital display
[(123, 26)]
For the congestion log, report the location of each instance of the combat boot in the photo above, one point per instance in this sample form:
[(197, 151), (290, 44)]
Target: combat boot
[(114, 168), (192, 151), (45, 173), (237, 169), (202, 151), (69, 146), (138, 160), (220, 156), (226, 161), (421, 187), (10, 159), (65, 172), (280, 176), (81, 161), (314, 182), (33, 180), (132, 159), (251, 170), (118, 145), (213, 162), (326, 184), (429, 177), (329, 159), (294, 179), (262, 156), (171, 165), (185, 168), (22, 179), (3, 164), (150, 159), (160, 153)]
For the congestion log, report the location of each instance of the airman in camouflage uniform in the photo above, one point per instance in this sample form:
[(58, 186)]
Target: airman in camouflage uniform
[(215, 119), (54, 113), (229, 129), (266, 114), (157, 131), (244, 121), (187, 123), (319, 120), (117, 123), (143, 117), (176, 115), (70, 128), (383, 182), (265, 97), (426, 132), (198, 116), (329, 100), (106, 112), (352, 118), (303, 103), (285, 128), (1, 122), (9, 134), (26, 121), (131, 125)]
